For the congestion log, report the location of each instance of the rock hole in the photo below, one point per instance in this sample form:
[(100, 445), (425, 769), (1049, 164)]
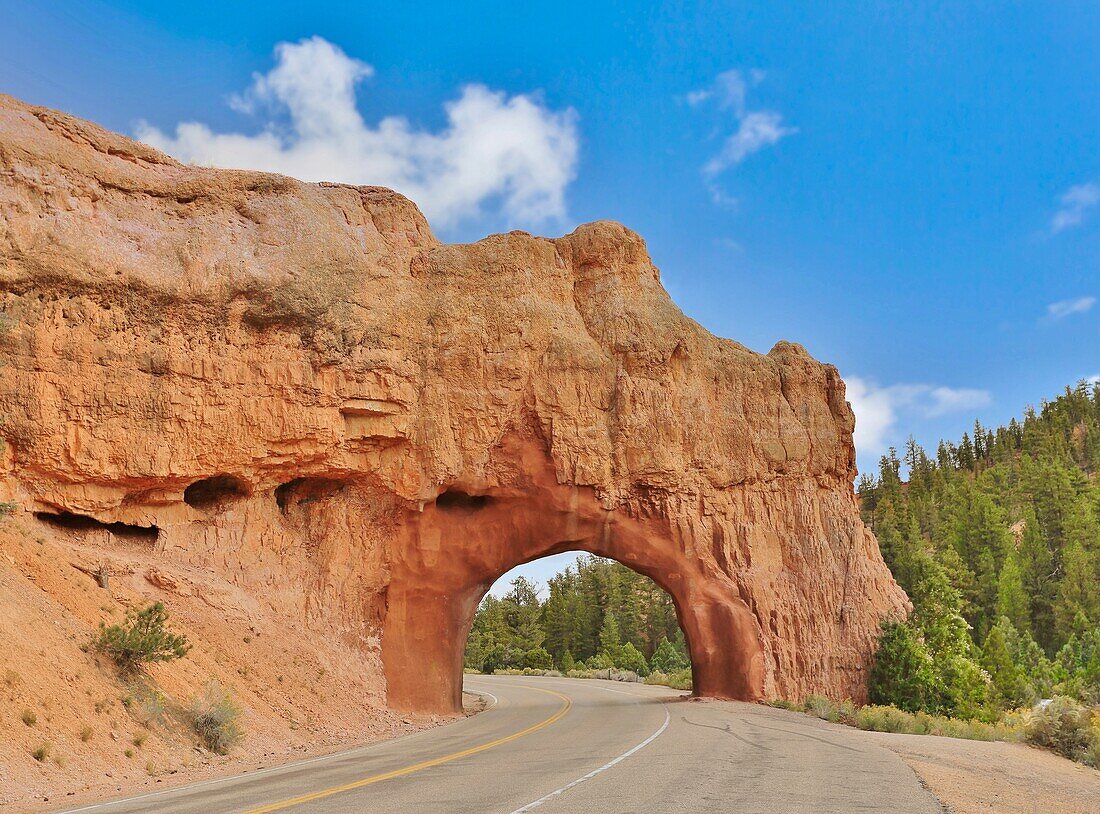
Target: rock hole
[(302, 491), (80, 522), (456, 499), (210, 493)]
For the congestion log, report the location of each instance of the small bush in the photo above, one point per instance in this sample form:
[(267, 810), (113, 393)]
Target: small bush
[(878, 718), (139, 739), (783, 703), (29, 717), (821, 707), (143, 638), (216, 718), (148, 708), (1066, 727), (666, 658), (681, 679), (538, 658), (42, 751), (86, 733)]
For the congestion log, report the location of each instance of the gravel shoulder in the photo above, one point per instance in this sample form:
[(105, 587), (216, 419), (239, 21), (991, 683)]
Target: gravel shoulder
[(1006, 778)]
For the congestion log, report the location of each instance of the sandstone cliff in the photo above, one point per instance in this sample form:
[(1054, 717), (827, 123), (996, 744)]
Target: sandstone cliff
[(298, 389)]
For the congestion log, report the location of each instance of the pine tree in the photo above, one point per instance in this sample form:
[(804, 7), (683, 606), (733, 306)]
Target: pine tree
[(1012, 599), (1009, 681)]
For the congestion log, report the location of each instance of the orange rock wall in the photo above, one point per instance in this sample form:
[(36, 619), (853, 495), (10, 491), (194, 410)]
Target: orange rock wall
[(302, 390)]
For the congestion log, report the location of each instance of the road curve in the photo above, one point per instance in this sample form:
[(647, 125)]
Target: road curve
[(574, 746)]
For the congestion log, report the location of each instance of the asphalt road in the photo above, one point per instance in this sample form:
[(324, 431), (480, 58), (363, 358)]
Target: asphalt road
[(578, 747)]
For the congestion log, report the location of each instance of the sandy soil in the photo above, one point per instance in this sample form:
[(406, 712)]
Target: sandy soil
[(302, 691), (1006, 778)]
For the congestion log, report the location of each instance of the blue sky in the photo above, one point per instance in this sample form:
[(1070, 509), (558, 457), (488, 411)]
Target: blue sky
[(912, 191)]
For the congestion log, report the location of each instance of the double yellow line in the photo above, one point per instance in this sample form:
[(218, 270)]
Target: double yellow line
[(567, 704)]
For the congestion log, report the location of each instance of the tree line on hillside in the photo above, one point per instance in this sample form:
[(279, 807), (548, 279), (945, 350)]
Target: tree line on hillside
[(997, 542), (597, 614)]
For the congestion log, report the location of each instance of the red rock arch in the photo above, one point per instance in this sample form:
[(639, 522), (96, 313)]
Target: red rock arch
[(326, 370), (460, 543)]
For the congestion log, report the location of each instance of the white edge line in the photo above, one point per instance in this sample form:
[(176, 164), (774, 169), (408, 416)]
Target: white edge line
[(268, 769), (594, 772)]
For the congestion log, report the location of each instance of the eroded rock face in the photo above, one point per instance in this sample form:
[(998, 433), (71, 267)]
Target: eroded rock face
[(298, 386)]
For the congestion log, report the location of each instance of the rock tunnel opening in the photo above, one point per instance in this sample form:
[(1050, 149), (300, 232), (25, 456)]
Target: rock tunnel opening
[(583, 616), (71, 521), (214, 492), (452, 550), (458, 500)]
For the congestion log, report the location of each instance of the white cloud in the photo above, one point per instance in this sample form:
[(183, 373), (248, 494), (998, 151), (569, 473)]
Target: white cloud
[(507, 151), (1064, 308), (756, 129), (1075, 204), (879, 409), (755, 132)]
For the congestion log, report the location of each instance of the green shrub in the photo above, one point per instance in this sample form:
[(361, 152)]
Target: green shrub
[(29, 717), (1065, 727), (42, 751), (538, 658), (666, 658), (903, 675), (493, 660), (215, 717), (600, 661), (631, 658), (142, 638)]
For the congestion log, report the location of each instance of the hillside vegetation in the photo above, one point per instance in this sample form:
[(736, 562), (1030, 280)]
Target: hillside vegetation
[(997, 541)]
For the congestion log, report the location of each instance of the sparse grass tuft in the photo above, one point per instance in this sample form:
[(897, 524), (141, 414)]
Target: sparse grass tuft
[(42, 751), (139, 739), (876, 718), (216, 718), (29, 717), (86, 733)]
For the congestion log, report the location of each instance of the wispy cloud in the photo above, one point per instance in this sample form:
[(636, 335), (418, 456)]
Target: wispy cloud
[(755, 131), (1074, 206), (512, 153), (879, 409), (1065, 308)]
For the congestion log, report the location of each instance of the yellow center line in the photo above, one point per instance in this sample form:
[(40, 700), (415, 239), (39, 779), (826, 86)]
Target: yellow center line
[(427, 764)]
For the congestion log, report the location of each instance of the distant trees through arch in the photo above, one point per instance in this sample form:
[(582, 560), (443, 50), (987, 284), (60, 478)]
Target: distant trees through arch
[(596, 614)]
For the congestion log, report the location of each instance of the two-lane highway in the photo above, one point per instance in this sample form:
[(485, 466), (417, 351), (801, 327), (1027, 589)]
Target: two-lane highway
[(566, 745)]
